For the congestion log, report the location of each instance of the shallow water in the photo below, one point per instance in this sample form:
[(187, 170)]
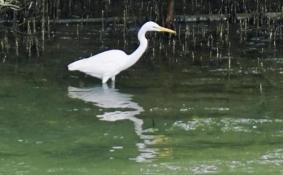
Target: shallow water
[(169, 114)]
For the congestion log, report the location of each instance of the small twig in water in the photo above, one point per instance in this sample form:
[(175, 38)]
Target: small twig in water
[(9, 4)]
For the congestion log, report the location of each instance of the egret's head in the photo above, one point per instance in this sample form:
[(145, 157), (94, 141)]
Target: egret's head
[(152, 26)]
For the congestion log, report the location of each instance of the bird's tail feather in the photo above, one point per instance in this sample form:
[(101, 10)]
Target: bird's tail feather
[(72, 67)]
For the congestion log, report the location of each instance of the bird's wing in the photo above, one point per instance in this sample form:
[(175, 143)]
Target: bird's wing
[(98, 64)]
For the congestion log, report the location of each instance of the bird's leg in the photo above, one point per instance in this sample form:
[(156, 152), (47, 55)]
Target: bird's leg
[(113, 85), (113, 82), (105, 79), (105, 86)]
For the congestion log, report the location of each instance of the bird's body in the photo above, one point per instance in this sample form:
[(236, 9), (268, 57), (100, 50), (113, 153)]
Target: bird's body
[(108, 64), (102, 66)]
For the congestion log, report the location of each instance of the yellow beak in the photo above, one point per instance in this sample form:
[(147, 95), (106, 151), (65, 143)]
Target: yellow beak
[(163, 29)]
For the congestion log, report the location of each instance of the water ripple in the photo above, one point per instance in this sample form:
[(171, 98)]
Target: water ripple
[(225, 124)]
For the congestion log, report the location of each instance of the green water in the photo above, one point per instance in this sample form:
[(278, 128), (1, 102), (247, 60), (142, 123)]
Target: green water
[(161, 118)]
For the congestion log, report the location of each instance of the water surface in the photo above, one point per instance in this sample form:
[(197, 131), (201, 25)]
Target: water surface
[(178, 111)]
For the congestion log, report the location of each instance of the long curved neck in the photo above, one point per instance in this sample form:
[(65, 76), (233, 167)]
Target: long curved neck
[(135, 56)]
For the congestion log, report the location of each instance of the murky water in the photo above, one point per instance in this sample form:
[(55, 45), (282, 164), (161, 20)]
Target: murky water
[(203, 103)]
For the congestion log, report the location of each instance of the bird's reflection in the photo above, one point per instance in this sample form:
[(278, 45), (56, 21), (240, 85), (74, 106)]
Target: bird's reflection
[(125, 109)]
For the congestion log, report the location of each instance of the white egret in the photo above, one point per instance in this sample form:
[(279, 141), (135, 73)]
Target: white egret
[(108, 64)]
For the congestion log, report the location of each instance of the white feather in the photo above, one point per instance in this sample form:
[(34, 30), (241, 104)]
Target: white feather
[(100, 65)]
